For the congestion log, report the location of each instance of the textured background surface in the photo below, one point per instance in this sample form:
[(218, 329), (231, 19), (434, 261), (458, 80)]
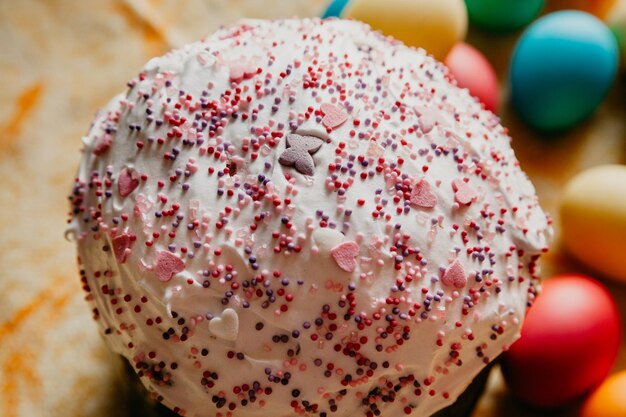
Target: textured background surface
[(60, 61)]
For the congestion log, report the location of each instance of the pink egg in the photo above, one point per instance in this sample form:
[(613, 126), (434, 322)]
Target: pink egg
[(474, 72), (569, 343)]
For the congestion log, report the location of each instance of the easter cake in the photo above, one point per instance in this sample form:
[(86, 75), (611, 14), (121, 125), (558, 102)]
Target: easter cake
[(304, 217)]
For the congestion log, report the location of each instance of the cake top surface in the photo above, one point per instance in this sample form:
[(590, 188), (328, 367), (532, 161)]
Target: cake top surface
[(304, 217)]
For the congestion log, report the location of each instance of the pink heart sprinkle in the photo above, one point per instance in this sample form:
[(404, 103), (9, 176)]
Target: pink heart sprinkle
[(142, 206), (345, 255), (127, 182), (168, 264), (463, 192), (242, 70), (236, 73), (454, 276), (426, 123), (422, 196), (103, 143), (333, 115), (121, 247), (250, 71), (428, 118)]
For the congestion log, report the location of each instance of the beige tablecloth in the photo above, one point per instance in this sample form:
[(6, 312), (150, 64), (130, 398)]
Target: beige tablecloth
[(62, 59)]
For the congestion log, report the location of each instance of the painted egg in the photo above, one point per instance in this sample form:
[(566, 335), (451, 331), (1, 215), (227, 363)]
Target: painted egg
[(503, 15), (474, 72), (435, 26), (593, 219), (562, 68), (335, 8), (598, 8), (609, 400), (616, 19), (569, 343)]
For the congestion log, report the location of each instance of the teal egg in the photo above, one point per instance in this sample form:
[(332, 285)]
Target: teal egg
[(503, 15), (562, 68), (335, 8)]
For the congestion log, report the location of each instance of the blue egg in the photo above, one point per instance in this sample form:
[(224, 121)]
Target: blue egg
[(335, 8), (562, 69)]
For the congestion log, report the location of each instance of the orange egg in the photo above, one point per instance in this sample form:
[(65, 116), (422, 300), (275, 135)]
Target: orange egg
[(609, 400), (599, 8)]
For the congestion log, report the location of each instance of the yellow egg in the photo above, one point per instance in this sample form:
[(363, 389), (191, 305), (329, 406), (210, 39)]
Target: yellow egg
[(609, 400), (593, 219), (616, 19), (435, 25)]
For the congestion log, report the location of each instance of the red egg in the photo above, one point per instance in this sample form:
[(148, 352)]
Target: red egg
[(569, 343), (474, 72)]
